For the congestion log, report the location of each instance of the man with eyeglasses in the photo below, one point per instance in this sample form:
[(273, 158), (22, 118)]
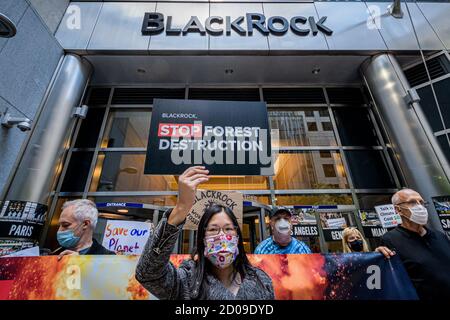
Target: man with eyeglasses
[(281, 241), (425, 252)]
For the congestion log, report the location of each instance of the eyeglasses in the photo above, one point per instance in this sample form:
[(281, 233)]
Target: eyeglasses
[(414, 202), (228, 230)]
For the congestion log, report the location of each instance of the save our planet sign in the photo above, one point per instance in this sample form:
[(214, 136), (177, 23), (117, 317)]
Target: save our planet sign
[(126, 237)]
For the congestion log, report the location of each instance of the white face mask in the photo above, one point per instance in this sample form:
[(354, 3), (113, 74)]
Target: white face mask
[(419, 214), (283, 226)]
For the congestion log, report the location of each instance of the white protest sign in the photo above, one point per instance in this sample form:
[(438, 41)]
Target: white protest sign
[(29, 252), (336, 223), (388, 217), (204, 198), (126, 237)]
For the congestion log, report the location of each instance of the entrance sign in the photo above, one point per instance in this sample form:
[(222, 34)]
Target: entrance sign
[(388, 216), (228, 137), (204, 198)]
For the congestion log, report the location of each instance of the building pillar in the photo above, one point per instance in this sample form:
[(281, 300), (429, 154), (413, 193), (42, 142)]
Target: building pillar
[(42, 156), (420, 158)]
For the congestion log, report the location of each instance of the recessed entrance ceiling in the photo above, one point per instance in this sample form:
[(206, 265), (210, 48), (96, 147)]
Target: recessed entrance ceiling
[(206, 69)]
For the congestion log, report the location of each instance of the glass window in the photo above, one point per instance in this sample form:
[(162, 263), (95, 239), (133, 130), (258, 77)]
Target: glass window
[(77, 172), (442, 89), (369, 169), (127, 128), (120, 171), (329, 171), (90, 128), (429, 108), (313, 199), (312, 126), (305, 170), (369, 201), (443, 142), (355, 127), (299, 127)]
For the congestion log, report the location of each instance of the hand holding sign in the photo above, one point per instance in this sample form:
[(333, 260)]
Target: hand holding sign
[(187, 187)]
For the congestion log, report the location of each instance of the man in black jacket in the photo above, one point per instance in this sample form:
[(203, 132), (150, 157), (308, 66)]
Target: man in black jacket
[(76, 228), (425, 252)]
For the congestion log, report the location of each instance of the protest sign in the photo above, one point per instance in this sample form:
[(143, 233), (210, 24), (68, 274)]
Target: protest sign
[(204, 198), (126, 237), (388, 216), (228, 137)]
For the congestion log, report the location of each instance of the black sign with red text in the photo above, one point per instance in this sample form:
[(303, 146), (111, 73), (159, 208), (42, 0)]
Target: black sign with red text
[(228, 137)]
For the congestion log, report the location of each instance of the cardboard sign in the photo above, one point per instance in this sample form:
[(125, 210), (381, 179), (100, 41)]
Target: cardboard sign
[(126, 237), (387, 215), (204, 198), (228, 137)]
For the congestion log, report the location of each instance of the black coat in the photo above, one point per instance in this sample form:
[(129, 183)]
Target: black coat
[(97, 248)]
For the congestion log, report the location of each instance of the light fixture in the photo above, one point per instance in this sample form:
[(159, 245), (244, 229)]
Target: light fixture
[(315, 70), (395, 9), (7, 121), (129, 170), (122, 210)]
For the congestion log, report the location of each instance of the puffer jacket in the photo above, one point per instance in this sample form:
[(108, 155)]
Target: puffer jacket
[(162, 279)]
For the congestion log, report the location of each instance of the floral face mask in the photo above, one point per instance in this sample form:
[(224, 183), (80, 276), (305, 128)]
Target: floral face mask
[(221, 250)]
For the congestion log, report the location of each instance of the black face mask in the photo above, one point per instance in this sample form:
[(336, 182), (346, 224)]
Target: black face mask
[(356, 246)]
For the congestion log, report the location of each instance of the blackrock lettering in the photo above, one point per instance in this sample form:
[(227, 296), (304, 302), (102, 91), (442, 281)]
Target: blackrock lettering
[(154, 23)]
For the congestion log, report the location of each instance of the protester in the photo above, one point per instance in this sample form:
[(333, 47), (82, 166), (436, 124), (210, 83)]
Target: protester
[(281, 241), (76, 228), (219, 268), (425, 252), (353, 241)]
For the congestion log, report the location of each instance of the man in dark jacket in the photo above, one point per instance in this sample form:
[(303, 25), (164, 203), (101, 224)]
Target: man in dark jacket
[(425, 252), (76, 228)]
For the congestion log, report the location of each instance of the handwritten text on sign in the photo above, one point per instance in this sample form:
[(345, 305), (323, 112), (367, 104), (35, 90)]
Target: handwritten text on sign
[(126, 237), (204, 198)]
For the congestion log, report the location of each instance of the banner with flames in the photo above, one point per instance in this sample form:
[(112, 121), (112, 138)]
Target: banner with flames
[(295, 277)]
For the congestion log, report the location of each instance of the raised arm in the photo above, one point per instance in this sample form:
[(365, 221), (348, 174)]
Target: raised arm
[(154, 269)]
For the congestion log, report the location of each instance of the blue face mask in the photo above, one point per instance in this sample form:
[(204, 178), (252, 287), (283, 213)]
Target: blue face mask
[(67, 238)]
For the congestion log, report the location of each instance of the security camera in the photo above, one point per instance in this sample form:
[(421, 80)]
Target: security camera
[(24, 124)]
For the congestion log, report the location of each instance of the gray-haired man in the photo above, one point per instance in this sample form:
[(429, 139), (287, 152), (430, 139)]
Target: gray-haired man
[(76, 228)]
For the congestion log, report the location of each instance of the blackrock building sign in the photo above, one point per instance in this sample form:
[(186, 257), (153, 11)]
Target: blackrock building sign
[(155, 23)]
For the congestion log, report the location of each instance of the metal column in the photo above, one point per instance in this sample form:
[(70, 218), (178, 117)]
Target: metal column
[(39, 165), (415, 148)]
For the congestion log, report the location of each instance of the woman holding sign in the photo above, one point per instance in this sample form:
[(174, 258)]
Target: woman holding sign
[(219, 268)]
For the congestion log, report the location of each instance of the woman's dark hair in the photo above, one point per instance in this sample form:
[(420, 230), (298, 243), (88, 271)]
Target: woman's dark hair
[(241, 264)]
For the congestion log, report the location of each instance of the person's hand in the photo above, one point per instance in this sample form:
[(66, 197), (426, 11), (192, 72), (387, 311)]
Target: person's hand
[(385, 251), (67, 253), (187, 187)]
